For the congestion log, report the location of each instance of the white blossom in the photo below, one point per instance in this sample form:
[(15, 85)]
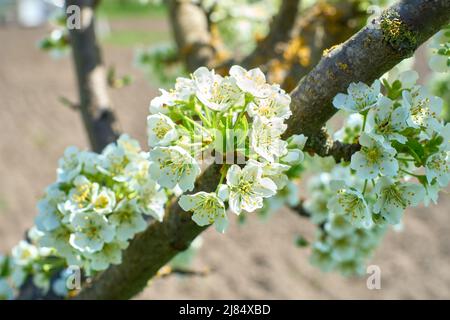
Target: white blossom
[(438, 166), (394, 197), (351, 203), (247, 188), (207, 208), (24, 253), (216, 92), (387, 122), (360, 97), (92, 231), (265, 138), (374, 158), (172, 166), (161, 130), (275, 105), (252, 81)]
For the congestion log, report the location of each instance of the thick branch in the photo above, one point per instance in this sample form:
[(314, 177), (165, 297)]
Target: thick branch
[(324, 25), (279, 33), (364, 57), (191, 32), (95, 106)]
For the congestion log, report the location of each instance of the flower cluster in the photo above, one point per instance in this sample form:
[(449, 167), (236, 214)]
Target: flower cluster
[(401, 137), (98, 203), (29, 261), (339, 245), (238, 118), (440, 45)]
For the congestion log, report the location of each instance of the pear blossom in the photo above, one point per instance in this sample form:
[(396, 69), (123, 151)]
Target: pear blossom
[(387, 122), (394, 197), (265, 138), (207, 209), (172, 166), (247, 188), (438, 166), (216, 92), (374, 158), (252, 81), (161, 130), (92, 231), (360, 97), (275, 105), (24, 253), (351, 203), (127, 220)]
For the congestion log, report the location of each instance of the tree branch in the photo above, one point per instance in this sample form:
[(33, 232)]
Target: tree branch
[(322, 145), (279, 33), (191, 32), (325, 24), (365, 57), (95, 106)]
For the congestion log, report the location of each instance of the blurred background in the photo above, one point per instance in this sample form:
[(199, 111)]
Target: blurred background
[(255, 260)]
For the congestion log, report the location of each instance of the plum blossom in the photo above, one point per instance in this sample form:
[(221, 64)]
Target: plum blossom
[(216, 92), (207, 209), (92, 231), (360, 97), (161, 130), (247, 188), (387, 122), (265, 138), (394, 197), (351, 203), (275, 105), (172, 166), (252, 81), (127, 220), (374, 158), (438, 166)]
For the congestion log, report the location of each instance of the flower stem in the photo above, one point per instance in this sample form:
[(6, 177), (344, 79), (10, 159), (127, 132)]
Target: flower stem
[(223, 172), (411, 174), (238, 118), (364, 122), (365, 186)]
